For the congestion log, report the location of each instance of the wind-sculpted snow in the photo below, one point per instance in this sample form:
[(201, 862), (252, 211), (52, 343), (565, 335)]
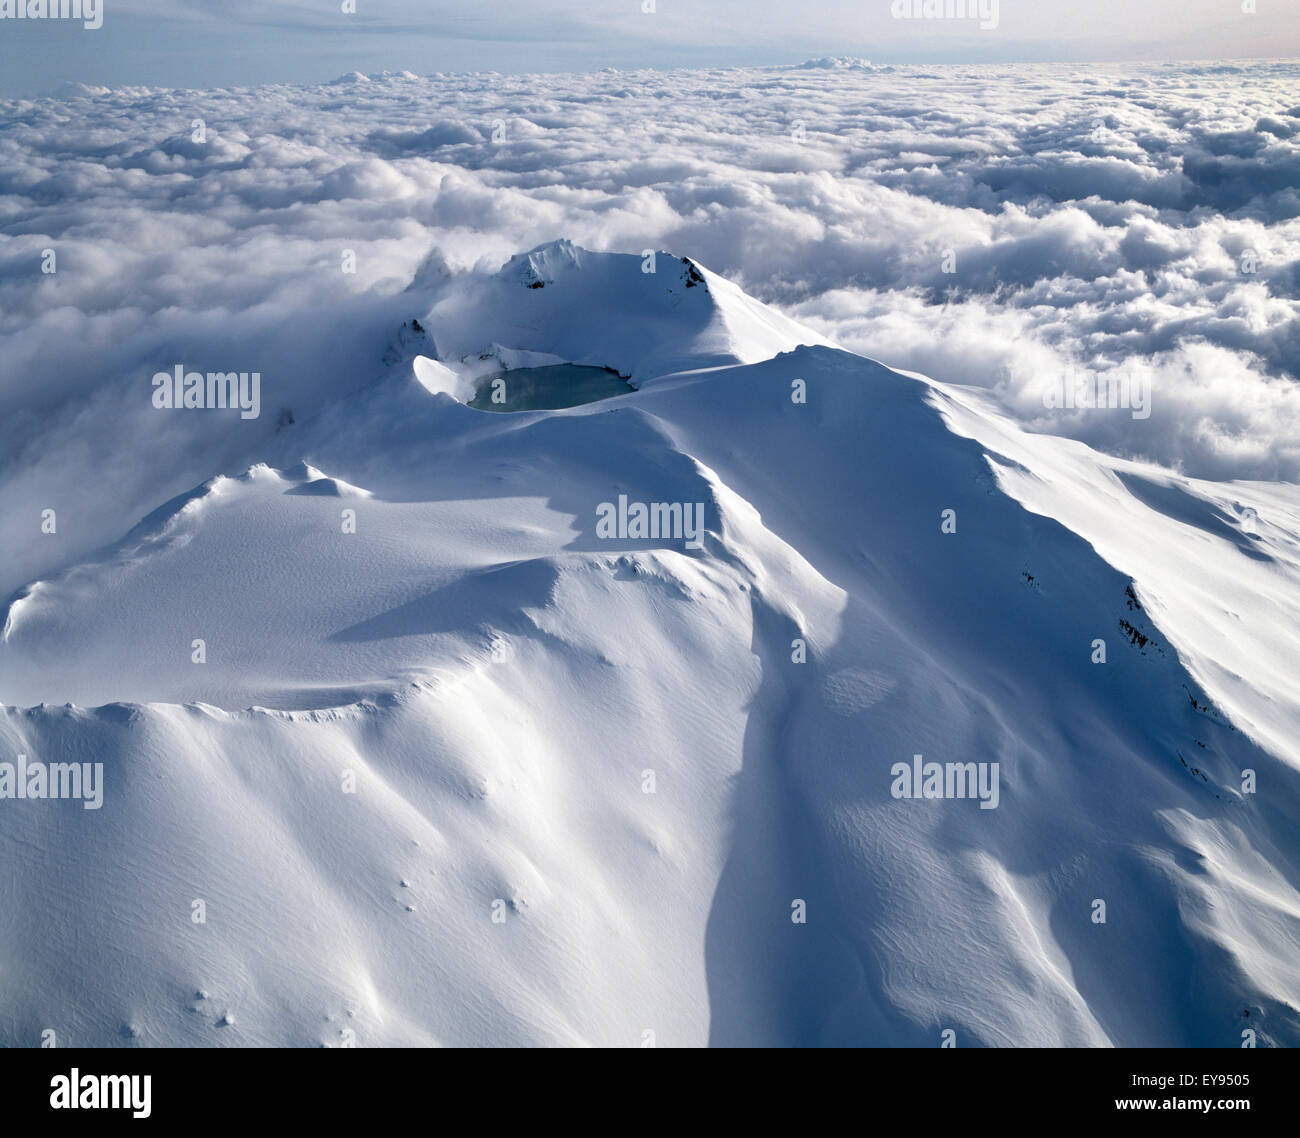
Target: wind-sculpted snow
[(439, 726)]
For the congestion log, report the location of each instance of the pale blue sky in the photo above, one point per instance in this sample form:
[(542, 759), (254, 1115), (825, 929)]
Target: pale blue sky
[(204, 43)]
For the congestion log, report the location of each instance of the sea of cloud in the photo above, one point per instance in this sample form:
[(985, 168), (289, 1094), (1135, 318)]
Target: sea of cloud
[(1000, 226)]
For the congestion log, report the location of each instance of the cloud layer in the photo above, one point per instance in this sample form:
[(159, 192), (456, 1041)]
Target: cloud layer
[(1008, 227)]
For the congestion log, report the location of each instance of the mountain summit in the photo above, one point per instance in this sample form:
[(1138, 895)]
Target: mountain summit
[(645, 316), (441, 726)]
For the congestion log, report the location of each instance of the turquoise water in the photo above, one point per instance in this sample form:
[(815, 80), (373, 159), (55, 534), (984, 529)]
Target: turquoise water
[(545, 388)]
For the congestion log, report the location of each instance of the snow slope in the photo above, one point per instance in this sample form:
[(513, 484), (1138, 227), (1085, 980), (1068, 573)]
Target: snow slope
[(477, 774)]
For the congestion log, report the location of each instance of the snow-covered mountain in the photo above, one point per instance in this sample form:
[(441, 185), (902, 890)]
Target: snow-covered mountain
[(443, 748)]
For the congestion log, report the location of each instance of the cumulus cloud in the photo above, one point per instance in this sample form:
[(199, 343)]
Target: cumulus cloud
[(997, 226)]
